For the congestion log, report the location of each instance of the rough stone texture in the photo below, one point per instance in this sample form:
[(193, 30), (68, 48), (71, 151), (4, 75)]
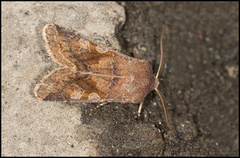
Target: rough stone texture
[(200, 79), (31, 127)]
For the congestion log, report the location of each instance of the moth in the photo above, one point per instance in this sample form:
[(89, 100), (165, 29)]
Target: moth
[(93, 72)]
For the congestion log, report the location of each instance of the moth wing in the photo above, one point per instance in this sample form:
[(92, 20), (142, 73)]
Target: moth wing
[(63, 84), (90, 72), (72, 50)]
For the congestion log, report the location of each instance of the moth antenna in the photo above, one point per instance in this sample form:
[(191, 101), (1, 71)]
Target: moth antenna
[(161, 59), (164, 108), (159, 92)]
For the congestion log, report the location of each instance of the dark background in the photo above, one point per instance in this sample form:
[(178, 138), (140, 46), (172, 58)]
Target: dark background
[(199, 80), (201, 56)]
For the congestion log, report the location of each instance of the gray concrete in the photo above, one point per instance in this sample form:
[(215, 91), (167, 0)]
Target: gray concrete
[(31, 127)]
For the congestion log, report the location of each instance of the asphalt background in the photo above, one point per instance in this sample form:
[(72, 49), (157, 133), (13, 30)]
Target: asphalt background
[(200, 79)]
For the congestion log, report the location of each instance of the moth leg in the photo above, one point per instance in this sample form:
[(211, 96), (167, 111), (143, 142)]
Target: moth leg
[(98, 106), (140, 108)]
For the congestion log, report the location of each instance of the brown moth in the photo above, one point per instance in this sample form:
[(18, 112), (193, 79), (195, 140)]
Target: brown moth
[(93, 72)]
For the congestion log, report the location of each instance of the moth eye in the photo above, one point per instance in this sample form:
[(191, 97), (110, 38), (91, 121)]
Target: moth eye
[(93, 96)]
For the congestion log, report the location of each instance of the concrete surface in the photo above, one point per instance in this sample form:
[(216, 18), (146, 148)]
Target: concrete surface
[(31, 127)]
